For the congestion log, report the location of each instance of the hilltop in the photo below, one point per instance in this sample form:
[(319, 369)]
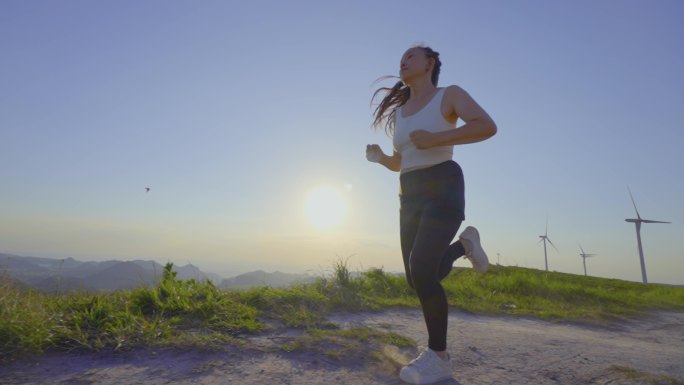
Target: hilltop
[(510, 324)]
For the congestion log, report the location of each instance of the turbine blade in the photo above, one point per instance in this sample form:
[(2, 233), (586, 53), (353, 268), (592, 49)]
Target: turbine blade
[(581, 248), (650, 221), (635, 208), (554, 246), (546, 232)]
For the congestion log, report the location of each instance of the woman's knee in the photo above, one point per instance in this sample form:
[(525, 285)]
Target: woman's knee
[(409, 280), (422, 276)]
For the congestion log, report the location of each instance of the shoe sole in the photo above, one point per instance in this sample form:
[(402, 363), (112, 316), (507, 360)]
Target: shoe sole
[(478, 250), (430, 381)]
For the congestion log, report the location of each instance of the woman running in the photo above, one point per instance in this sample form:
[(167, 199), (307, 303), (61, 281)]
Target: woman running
[(421, 118)]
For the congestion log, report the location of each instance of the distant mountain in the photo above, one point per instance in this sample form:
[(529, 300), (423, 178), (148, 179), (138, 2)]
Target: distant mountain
[(25, 269), (186, 272), (7, 281), (191, 272), (215, 278), (152, 268), (262, 278), (86, 269), (64, 275), (121, 276), (56, 283), (51, 275)]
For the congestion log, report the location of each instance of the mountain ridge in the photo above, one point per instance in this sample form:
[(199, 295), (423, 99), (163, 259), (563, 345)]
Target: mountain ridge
[(68, 274)]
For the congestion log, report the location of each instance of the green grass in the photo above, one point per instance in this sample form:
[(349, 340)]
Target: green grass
[(175, 312), (191, 313), (552, 295), (632, 375)]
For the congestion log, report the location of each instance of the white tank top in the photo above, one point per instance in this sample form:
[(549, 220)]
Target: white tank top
[(429, 118)]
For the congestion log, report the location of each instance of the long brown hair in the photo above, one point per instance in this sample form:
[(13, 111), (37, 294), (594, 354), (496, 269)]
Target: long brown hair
[(398, 95)]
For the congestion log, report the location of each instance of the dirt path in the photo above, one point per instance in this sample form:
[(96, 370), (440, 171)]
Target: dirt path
[(485, 350)]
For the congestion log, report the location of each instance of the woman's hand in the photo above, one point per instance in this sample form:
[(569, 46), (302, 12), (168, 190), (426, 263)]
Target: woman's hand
[(423, 139), (374, 153)]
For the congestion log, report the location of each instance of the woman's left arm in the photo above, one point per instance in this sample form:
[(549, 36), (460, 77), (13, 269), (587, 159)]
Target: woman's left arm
[(478, 124)]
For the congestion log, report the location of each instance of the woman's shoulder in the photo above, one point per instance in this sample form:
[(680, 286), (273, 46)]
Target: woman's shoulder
[(453, 92), (453, 88)]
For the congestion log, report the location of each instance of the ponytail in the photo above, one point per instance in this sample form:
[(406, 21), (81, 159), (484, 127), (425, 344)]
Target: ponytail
[(385, 111)]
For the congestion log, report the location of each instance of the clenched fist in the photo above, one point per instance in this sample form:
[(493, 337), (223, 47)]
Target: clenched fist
[(373, 153), (422, 139)]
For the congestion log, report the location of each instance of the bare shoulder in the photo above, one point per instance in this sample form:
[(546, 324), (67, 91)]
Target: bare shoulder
[(463, 105), (454, 91), (458, 96), (454, 96)]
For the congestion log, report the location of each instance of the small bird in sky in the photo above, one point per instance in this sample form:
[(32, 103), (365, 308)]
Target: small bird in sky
[(147, 189)]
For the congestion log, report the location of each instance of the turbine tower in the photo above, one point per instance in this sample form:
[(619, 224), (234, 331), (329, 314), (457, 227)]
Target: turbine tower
[(584, 258), (637, 223), (546, 238)]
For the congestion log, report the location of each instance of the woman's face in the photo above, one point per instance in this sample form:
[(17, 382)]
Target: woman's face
[(414, 63)]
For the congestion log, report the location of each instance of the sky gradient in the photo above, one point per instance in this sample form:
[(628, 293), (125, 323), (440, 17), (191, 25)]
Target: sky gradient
[(232, 112)]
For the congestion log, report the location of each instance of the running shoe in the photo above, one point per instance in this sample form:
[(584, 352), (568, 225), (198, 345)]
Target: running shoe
[(427, 368), (474, 251)]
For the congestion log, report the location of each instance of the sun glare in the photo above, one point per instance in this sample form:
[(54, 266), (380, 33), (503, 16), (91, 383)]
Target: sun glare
[(325, 207)]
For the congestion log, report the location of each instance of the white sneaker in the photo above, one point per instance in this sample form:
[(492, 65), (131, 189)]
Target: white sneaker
[(474, 252), (427, 368)]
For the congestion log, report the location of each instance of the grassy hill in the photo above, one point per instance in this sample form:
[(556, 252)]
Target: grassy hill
[(189, 312)]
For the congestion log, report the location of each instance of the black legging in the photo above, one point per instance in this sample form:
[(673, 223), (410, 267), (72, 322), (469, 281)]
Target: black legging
[(432, 209)]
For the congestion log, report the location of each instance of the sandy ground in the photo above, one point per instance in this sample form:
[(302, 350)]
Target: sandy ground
[(485, 350)]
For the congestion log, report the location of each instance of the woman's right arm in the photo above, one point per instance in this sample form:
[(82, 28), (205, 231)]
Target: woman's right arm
[(374, 154), (393, 163)]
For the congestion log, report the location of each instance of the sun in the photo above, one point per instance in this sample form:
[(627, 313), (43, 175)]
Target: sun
[(325, 207)]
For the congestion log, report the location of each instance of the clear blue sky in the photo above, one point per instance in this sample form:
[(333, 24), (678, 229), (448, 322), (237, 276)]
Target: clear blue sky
[(232, 112)]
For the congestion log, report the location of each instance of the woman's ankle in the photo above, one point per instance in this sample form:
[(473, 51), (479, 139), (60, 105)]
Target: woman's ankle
[(442, 354)]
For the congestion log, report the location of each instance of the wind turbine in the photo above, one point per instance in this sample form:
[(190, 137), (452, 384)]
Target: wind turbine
[(637, 223), (584, 258), (545, 238)]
